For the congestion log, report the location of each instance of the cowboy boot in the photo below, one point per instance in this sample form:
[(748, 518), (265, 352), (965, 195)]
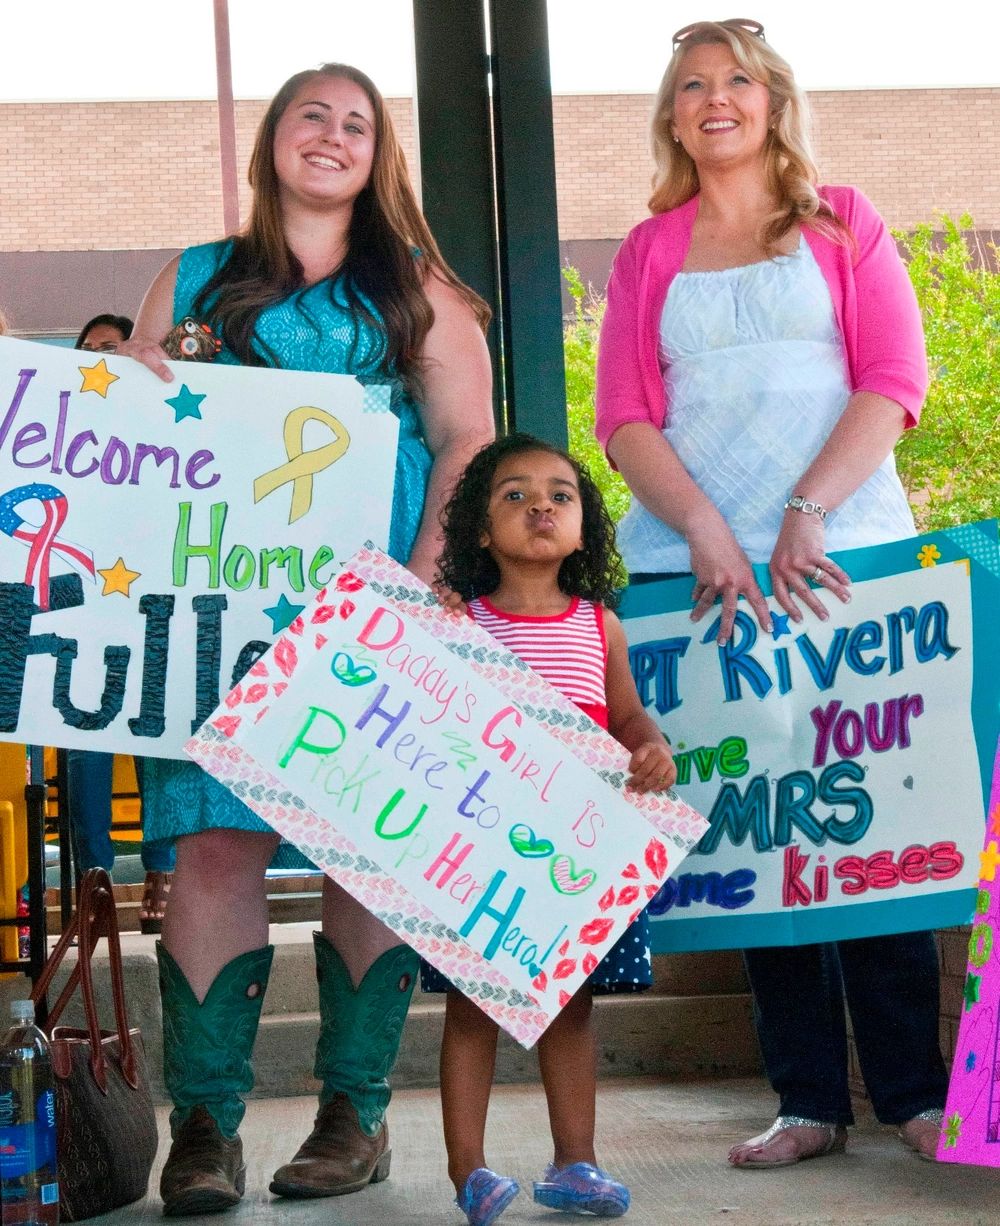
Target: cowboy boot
[(206, 1067), (360, 1030)]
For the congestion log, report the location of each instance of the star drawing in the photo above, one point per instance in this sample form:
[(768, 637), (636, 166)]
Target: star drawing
[(970, 992), (118, 578), (779, 622), (186, 403), (952, 1131), (283, 613), (97, 378), (989, 858), (970, 1062)]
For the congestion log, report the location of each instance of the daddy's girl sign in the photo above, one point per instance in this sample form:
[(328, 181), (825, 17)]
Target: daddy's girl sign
[(466, 803)]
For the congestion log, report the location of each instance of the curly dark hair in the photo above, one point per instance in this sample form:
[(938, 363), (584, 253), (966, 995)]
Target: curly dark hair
[(594, 572)]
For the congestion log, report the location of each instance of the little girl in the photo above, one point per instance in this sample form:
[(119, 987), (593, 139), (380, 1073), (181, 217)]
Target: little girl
[(530, 547)]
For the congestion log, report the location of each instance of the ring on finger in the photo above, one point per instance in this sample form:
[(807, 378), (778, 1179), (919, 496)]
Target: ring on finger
[(818, 575)]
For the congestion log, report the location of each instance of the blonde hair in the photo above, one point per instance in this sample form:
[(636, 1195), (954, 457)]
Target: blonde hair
[(791, 171)]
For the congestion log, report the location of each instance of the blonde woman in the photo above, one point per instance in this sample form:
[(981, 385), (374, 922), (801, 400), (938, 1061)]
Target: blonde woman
[(760, 356), (335, 271)]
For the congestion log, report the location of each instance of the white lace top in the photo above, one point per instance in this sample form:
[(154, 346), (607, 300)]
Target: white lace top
[(754, 371)]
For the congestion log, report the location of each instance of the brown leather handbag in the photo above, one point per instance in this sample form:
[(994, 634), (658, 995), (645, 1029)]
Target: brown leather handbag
[(105, 1122)]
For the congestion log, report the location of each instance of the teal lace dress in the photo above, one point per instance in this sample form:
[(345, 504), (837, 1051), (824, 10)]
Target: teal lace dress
[(312, 330)]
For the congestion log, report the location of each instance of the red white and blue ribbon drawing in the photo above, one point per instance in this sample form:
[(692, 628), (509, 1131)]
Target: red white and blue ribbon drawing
[(42, 539)]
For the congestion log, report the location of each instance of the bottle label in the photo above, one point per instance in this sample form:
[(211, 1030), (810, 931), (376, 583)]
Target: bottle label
[(30, 1146)]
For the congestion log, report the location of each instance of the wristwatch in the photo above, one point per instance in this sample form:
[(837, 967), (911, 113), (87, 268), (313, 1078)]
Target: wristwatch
[(805, 505)]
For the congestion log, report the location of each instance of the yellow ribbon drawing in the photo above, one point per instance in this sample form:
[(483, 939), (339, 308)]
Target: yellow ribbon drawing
[(303, 465)]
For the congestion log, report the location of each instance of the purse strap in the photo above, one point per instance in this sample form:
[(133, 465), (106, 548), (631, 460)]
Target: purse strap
[(96, 917)]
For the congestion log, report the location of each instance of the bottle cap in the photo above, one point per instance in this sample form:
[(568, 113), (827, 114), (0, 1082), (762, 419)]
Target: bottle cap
[(22, 1010)]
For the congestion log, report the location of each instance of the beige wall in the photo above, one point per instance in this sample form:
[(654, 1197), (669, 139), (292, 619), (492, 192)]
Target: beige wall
[(914, 152), (126, 175), (81, 176)]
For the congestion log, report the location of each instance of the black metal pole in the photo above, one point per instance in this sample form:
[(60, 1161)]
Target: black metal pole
[(456, 152), (530, 289)]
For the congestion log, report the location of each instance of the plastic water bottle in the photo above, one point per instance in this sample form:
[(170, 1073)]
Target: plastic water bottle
[(29, 1187)]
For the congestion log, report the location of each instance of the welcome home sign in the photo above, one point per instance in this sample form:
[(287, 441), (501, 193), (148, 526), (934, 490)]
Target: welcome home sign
[(155, 537)]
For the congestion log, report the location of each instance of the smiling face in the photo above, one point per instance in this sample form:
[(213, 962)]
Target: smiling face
[(534, 512), (721, 115), (324, 143)]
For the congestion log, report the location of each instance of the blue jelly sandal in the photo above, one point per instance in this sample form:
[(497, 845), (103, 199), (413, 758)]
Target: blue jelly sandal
[(486, 1195), (582, 1188)]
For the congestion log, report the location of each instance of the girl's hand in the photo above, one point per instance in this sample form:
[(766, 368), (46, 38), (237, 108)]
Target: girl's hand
[(799, 559), (721, 568), (149, 353), (651, 768), (450, 600), (425, 568)]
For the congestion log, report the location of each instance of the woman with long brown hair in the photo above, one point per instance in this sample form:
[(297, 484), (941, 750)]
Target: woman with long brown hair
[(761, 354), (335, 271)]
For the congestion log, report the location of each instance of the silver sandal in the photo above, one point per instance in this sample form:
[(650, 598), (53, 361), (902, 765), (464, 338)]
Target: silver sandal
[(933, 1115), (835, 1142)]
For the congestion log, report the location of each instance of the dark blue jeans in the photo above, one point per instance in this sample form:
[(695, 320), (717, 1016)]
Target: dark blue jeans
[(90, 814), (891, 987)]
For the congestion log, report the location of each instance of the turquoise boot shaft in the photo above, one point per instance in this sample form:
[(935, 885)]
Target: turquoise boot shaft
[(207, 1047), (361, 1028)]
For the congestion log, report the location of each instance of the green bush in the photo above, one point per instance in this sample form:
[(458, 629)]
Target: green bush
[(950, 465), (580, 348)]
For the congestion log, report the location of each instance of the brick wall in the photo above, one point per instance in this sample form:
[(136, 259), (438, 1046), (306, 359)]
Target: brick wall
[(82, 176), (914, 152)]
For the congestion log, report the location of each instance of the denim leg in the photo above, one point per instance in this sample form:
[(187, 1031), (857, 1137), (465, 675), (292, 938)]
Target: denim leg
[(799, 1012), (892, 987), (89, 800), (156, 857)]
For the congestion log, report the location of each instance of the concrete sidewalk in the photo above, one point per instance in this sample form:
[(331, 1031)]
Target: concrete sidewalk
[(667, 1140)]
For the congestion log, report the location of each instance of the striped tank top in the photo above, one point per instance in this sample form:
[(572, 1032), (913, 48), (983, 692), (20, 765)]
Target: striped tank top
[(568, 649)]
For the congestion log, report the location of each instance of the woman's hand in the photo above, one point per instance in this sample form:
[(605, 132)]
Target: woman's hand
[(721, 568), (155, 319), (651, 768), (149, 353), (799, 559)]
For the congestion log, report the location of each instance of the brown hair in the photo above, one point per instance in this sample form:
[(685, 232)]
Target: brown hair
[(791, 171), (390, 252)]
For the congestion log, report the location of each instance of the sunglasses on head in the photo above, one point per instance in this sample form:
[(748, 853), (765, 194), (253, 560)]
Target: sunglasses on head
[(747, 24)]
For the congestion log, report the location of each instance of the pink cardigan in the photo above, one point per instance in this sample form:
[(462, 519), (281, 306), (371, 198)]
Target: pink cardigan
[(873, 299)]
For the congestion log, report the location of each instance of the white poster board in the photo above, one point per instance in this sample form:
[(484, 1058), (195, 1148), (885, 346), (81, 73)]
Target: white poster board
[(841, 764), (465, 802), (155, 537)]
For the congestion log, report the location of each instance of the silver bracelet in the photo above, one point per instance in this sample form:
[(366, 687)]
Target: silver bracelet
[(805, 505)]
